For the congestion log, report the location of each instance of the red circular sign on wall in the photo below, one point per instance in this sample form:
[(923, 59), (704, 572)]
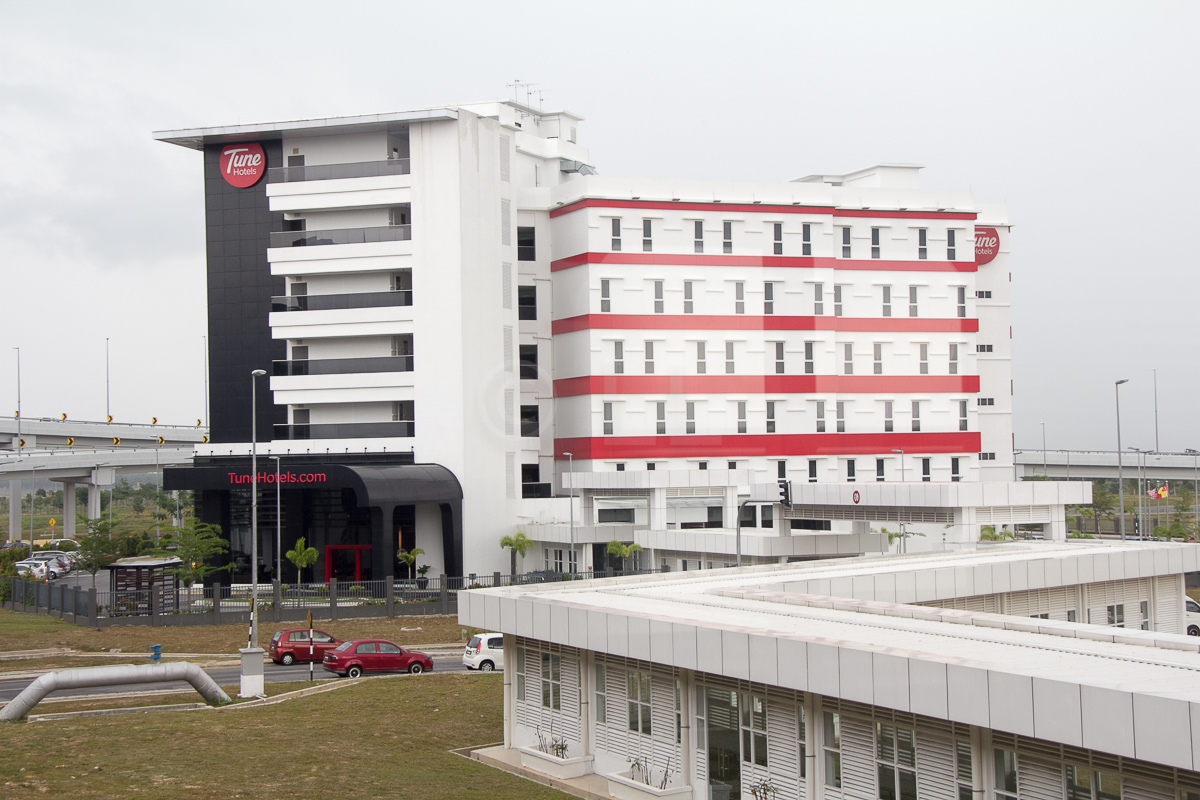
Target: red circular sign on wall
[(856, 498), (242, 164), (987, 245)]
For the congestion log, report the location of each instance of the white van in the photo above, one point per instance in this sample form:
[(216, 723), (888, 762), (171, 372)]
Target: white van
[(1191, 615), (485, 652)]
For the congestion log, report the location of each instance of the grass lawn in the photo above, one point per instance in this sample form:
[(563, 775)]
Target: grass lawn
[(386, 738), (31, 632), (65, 705)]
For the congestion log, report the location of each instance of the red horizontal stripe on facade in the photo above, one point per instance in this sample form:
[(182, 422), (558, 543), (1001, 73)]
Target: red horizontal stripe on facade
[(774, 208), (742, 322), (743, 385), (769, 445), (795, 262)]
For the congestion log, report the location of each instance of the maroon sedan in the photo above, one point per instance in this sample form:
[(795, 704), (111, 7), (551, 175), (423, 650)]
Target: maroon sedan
[(291, 645), (357, 656)]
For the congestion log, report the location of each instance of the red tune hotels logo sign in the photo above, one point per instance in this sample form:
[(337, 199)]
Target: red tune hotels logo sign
[(243, 164), (987, 245)]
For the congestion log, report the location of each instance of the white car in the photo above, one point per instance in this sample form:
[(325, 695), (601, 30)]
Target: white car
[(485, 652), (1191, 615), (31, 569), (58, 562)]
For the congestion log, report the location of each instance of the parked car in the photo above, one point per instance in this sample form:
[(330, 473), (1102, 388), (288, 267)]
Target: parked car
[(14, 545), (59, 563), (357, 656), (291, 645), (63, 545), (1191, 615), (31, 569), (485, 652)]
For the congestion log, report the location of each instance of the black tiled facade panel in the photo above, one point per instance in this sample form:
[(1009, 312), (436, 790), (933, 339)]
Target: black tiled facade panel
[(240, 286)]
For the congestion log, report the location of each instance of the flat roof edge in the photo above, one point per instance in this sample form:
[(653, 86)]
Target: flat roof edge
[(195, 137)]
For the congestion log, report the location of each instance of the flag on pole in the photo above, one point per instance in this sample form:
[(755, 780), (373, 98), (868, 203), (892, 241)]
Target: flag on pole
[(1158, 494)]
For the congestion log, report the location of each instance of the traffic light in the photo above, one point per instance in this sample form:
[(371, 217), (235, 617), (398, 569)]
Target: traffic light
[(70, 441), (785, 493), (161, 440), (116, 440)]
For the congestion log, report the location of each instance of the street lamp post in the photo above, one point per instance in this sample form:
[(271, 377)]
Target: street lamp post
[(1140, 461), (254, 376), (901, 452), (1044, 472), (18, 510), (1120, 472)]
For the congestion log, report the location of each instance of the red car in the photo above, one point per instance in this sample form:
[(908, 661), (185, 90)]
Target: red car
[(355, 657), (291, 645)]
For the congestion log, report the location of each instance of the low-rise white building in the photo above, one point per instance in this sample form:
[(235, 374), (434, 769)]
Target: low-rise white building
[(948, 676)]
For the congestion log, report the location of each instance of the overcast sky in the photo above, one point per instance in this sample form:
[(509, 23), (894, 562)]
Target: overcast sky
[(1082, 117)]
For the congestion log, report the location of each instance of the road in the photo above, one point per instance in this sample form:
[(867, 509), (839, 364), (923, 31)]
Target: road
[(224, 676)]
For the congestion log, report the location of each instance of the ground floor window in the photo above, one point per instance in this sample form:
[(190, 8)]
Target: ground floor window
[(896, 761), (551, 681), (833, 749), (639, 701)]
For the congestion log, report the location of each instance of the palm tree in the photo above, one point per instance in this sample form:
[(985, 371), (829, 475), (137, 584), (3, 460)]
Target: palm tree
[(302, 556), (622, 551), (515, 544), (409, 557)]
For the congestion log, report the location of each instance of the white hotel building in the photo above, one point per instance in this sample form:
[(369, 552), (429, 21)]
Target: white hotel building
[(449, 301)]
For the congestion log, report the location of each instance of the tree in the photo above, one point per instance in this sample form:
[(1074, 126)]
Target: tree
[(96, 548), (988, 534), (196, 545), (301, 556), (409, 557), (515, 544), (622, 551)]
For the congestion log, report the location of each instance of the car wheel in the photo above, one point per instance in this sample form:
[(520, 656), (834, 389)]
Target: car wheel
[(287, 660), (1193, 630), (416, 668), (354, 672), (487, 666)]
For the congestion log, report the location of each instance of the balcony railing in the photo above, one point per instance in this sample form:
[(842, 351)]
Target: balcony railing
[(343, 366), (346, 430), (536, 490), (332, 302), (325, 172), (385, 233)]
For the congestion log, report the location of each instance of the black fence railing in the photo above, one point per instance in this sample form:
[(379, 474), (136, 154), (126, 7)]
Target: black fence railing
[(325, 172), (347, 430), (343, 366), (341, 302), (384, 233)]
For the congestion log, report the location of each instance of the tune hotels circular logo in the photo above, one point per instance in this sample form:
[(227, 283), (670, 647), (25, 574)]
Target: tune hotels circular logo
[(987, 245), (242, 164)]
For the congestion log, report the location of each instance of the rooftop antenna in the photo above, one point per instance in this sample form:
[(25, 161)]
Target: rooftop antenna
[(517, 86), (539, 93)]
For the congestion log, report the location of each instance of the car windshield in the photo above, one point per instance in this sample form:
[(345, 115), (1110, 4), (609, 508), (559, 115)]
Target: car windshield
[(344, 646)]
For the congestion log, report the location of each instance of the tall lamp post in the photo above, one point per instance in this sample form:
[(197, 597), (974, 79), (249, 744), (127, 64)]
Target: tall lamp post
[(254, 376), (18, 503), (1195, 454), (571, 490), (901, 452), (1120, 472), (1044, 473)]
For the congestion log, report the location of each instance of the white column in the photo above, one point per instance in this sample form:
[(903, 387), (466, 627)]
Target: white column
[(1058, 524), (658, 509), (93, 511), (14, 510), (729, 517), (68, 509)]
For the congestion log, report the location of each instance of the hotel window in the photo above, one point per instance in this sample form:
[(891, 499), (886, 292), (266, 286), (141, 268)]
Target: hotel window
[(639, 701), (403, 411), (837, 300), (1005, 774), (779, 358), (820, 416), (851, 474), (896, 761), (678, 689), (981, 295), (658, 297), (955, 475), (1144, 607), (687, 297), (768, 298), (605, 296), (1084, 783), (520, 666), (727, 237), (923, 350), (754, 730), (741, 409), (848, 358), (887, 301), (953, 358), (846, 242), (620, 468), (879, 469), (962, 415), (771, 419), (987, 456), (912, 301), (526, 302), (739, 297), (874, 242), (691, 417), (526, 247), (806, 240), (729, 358), (401, 282), (888, 422), (781, 469), (925, 466), (818, 299), (551, 681), (812, 470), (529, 362), (833, 749), (985, 401), (601, 695), (962, 301), (950, 245), (649, 358), (616, 234), (700, 365), (778, 226), (702, 465), (808, 356), (647, 242), (963, 772), (916, 415), (618, 358), (529, 421), (841, 416), (608, 419), (1116, 615), (660, 414), (922, 244), (699, 235), (877, 366), (983, 348)]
